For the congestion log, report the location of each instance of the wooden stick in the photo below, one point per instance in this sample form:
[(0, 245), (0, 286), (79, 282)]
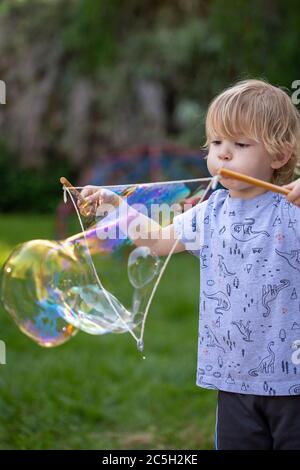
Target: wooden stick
[(67, 183), (254, 181), (86, 207)]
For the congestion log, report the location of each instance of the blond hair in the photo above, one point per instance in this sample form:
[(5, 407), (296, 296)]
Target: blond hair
[(260, 111)]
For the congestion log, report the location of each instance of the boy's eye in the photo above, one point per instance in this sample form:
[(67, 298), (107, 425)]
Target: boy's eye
[(240, 144)]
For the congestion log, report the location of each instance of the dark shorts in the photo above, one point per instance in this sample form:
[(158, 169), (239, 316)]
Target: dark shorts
[(254, 422)]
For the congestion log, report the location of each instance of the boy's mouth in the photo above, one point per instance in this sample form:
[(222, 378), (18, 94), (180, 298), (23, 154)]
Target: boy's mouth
[(223, 176)]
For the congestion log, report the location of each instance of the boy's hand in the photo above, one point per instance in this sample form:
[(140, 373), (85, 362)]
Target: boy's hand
[(94, 197), (294, 194)]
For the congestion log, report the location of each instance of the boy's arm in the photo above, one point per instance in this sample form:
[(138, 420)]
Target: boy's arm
[(186, 231), (159, 239), (142, 230)]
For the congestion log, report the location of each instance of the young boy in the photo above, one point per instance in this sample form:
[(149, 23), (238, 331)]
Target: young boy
[(248, 243)]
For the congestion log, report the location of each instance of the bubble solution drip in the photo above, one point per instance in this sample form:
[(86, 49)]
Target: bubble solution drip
[(140, 345)]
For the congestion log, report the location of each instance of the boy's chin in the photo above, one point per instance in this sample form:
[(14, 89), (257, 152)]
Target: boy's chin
[(228, 183), (233, 184)]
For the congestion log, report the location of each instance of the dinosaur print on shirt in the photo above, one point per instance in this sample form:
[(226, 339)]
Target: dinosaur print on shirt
[(249, 260)]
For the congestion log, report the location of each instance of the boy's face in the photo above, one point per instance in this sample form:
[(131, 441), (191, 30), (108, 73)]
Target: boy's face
[(243, 155)]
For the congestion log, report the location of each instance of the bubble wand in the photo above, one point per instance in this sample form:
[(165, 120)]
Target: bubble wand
[(254, 181), (68, 186), (50, 289)]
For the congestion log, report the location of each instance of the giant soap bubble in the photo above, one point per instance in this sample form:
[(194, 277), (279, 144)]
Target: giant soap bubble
[(143, 266), (28, 279), (90, 282)]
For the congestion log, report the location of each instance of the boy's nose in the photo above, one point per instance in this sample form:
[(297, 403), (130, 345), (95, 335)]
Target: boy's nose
[(225, 156)]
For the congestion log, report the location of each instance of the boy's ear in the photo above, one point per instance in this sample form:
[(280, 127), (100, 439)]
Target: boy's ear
[(280, 159)]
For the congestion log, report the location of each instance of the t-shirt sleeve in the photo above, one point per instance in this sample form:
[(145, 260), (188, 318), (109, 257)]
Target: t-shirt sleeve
[(188, 227)]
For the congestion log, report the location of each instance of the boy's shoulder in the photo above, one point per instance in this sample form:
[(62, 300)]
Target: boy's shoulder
[(218, 196)]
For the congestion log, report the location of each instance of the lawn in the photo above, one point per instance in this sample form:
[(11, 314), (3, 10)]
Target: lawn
[(97, 392)]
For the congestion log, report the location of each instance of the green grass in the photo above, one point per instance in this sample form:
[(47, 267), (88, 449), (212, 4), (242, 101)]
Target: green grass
[(97, 392)]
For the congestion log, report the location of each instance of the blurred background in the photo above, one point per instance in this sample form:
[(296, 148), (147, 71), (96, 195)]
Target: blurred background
[(105, 92)]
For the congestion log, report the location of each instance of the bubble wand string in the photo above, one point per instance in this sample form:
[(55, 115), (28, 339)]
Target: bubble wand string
[(95, 271), (71, 189)]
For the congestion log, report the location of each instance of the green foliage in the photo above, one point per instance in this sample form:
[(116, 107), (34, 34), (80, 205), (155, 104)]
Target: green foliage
[(29, 189), (258, 38), (189, 50), (91, 34), (192, 42)]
